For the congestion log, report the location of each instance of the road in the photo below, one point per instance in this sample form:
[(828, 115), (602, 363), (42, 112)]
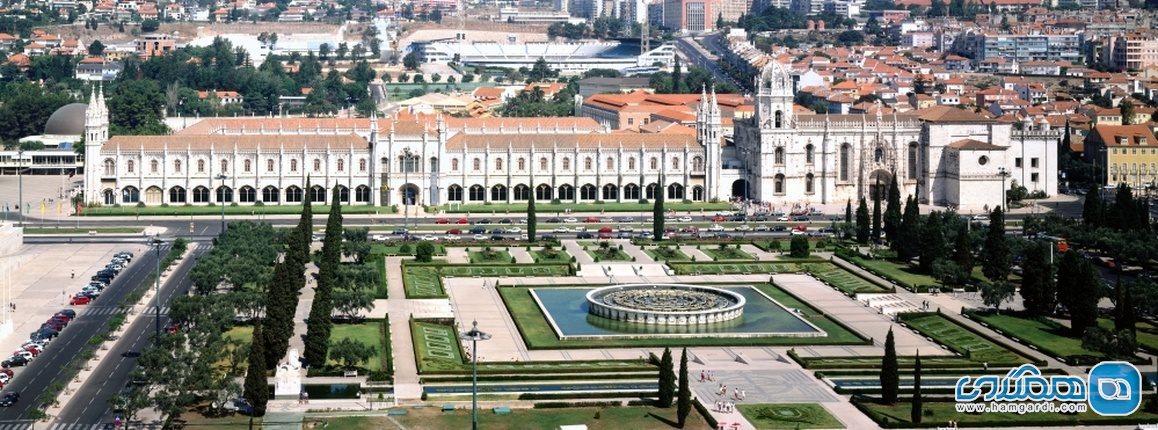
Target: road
[(51, 366), (706, 57), (91, 404)]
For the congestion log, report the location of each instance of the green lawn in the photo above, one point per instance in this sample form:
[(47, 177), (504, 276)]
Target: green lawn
[(710, 268), (543, 208), (606, 418), (727, 253), (553, 255), (73, 230), (611, 253), (294, 208), (402, 249), (1047, 335), (422, 282), (788, 416), (900, 273), (667, 254), (844, 280), (874, 363), (962, 340), (943, 412), (538, 334), (498, 270), (436, 347), (369, 333), (492, 256)]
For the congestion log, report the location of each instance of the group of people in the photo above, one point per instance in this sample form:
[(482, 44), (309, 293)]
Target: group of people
[(726, 407), (706, 375)]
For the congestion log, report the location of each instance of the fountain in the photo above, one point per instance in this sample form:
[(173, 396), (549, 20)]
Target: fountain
[(666, 304)]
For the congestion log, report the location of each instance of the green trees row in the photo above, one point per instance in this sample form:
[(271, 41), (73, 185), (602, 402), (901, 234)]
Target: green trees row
[(668, 391)]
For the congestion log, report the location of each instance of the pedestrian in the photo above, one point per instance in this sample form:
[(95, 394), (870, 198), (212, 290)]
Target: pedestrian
[(73, 274), (743, 394), (701, 375)]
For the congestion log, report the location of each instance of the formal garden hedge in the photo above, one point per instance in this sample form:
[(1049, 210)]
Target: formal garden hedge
[(1048, 336), (973, 344)]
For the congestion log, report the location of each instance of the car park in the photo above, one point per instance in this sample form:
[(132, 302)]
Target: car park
[(514, 230), (554, 220), (592, 219), (716, 228), (68, 312), (505, 221), (401, 231), (452, 237), (463, 221), (497, 237), (498, 230), (549, 237), (763, 227), (454, 231), (603, 235), (9, 399), (561, 229), (743, 228), (627, 219), (428, 237), (378, 237)]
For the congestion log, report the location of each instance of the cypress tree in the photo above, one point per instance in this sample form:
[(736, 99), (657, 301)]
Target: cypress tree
[(931, 242), (676, 77), (667, 384), (996, 264), (684, 403), (963, 250), (657, 212), (910, 230), (1124, 314), (876, 232), (915, 413), (1093, 212), (848, 211), (1038, 291), (862, 222), (890, 376), (1078, 289), (256, 389), (893, 214), (287, 280), (319, 324), (532, 219)]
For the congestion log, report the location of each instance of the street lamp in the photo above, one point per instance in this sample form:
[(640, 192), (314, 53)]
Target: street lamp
[(474, 335), (1003, 174), (20, 176), (221, 192), (156, 243)]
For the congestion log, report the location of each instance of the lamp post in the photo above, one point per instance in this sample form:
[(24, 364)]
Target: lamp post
[(156, 243), (221, 200), (20, 176), (1003, 174), (474, 335)]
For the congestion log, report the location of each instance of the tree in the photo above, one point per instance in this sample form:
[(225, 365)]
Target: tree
[(1125, 316), (325, 49), (915, 413), (910, 231), (963, 250), (532, 219), (872, 26), (848, 211), (684, 402), (410, 61), (892, 217), (1093, 210), (890, 373), (667, 383), (657, 212), (1078, 290), (436, 15), (798, 248), (135, 107), (876, 229), (1126, 108), (995, 293), (719, 25), (677, 86), (96, 48), (932, 241), (862, 222), (424, 252), (256, 389), (996, 264), (150, 25), (937, 8), (1038, 291), (320, 323), (350, 352)]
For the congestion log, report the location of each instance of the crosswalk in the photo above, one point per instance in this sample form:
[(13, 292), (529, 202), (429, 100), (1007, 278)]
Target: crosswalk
[(77, 426), (17, 425), (111, 310)]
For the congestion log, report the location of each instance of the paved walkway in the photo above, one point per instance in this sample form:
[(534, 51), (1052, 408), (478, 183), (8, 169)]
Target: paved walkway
[(406, 387)]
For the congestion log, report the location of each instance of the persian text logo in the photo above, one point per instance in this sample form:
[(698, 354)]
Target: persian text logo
[(1113, 388)]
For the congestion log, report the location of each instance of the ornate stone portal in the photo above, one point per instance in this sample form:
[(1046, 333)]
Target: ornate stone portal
[(665, 304)]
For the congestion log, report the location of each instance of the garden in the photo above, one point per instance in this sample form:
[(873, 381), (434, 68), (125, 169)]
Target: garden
[(551, 255), (1052, 337), (424, 281), (606, 251), (488, 255), (666, 253), (789, 416), (964, 341), (723, 252)]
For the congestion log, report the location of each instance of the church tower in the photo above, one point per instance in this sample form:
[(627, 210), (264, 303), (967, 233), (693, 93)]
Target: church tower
[(96, 133), (709, 129), (774, 97)]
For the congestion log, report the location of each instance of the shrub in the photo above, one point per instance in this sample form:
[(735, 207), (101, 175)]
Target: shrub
[(404, 249), (799, 247), (513, 260)]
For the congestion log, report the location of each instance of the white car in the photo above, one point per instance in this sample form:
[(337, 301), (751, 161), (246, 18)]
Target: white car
[(784, 218), (561, 230), (514, 230), (452, 237), (570, 219), (523, 236), (429, 237), (798, 232), (744, 227), (684, 218), (716, 228), (480, 237), (378, 237)]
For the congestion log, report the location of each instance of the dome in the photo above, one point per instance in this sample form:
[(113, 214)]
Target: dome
[(67, 121)]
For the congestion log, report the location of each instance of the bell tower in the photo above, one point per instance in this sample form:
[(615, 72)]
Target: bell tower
[(774, 97), (96, 133)]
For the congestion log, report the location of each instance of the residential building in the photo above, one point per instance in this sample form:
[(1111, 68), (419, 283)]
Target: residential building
[(1123, 154), (153, 45)]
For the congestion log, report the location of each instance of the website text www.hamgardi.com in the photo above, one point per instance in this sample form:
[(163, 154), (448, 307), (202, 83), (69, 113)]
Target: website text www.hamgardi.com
[(1021, 408)]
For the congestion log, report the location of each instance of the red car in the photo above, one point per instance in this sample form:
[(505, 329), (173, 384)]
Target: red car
[(442, 221), (7, 371), (454, 231), (605, 235), (462, 221), (82, 300), (719, 218), (592, 219), (607, 230)]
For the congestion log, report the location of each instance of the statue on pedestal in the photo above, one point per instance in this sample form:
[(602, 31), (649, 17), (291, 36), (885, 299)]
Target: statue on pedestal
[(289, 376)]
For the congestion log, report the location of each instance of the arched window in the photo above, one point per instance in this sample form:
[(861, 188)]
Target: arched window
[(224, 166), (498, 193), (566, 192), (779, 155), (270, 194), (878, 155), (293, 194), (654, 163), (248, 166), (588, 192), (294, 167), (566, 163), (649, 192), (522, 164), (200, 195), (224, 194), (675, 192), (362, 165), (153, 165), (454, 164), (176, 195), (247, 194), (779, 118), (454, 193), (844, 161), (808, 154), (631, 163), (610, 163), (698, 193), (269, 165), (130, 195), (317, 165), (631, 192), (808, 184), (200, 166), (177, 166), (477, 193), (317, 194), (341, 165), (544, 192), (697, 164), (477, 164), (522, 192), (675, 163), (498, 164), (610, 192), (543, 164), (779, 184), (129, 165), (408, 163), (913, 160), (362, 194), (587, 163), (110, 167)]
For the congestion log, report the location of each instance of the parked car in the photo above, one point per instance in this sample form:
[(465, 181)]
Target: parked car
[(442, 221), (14, 361), (463, 221), (684, 218), (584, 235), (592, 219), (505, 221), (554, 220), (69, 312), (496, 237), (570, 219), (454, 231), (79, 300), (483, 221), (716, 228), (514, 230), (401, 231), (562, 229), (9, 399)]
